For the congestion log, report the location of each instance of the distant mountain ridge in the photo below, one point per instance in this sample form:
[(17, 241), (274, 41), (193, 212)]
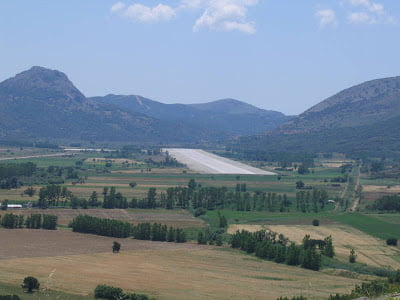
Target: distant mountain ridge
[(361, 105), (228, 115), (43, 104)]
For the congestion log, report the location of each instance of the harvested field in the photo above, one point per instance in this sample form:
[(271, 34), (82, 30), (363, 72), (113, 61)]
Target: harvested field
[(381, 188), (48, 243), (163, 270), (207, 163), (369, 250), (181, 219)]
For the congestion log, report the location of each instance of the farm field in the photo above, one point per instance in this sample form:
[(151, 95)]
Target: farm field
[(97, 176), (208, 163), (164, 270), (175, 218)]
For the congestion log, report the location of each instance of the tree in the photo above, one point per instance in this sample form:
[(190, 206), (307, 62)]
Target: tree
[(303, 169), (315, 222), (328, 249), (201, 238), (93, 199), (352, 256), (30, 191), (116, 247), (299, 184), (4, 205), (222, 220), (132, 184), (30, 283)]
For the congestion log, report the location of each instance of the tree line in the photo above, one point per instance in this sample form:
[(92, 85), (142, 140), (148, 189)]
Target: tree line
[(121, 229), (11, 173), (276, 247), (34, 221)]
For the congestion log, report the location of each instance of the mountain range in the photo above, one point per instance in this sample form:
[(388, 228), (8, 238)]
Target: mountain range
[(43, 104)]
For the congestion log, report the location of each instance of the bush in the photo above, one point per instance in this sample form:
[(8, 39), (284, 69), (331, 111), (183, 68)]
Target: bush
[(199, 212), (315, 222), (107, 292), (391, 242)]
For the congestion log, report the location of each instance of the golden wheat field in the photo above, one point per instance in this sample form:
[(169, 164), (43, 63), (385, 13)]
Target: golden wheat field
[(163, 270)]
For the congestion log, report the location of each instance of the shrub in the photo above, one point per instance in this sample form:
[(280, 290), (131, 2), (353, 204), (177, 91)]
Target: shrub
[(107, 292), (391, 242), (315, 222)]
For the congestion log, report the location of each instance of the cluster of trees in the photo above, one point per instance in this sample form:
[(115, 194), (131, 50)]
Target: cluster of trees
[(34, 221), (269, 245), (386, 203), (168, 161), (11, 174), (111, 293), (120, 229), (211, 238), (101, 226), (158, 232), (54, 195), (311, 201), (111, 199)]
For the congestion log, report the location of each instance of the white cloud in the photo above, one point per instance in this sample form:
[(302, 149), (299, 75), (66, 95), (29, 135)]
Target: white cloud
[(225, 15), (326, 17), (369, 13), (145, 14), (219, 15), (117, 7), (361, 18)]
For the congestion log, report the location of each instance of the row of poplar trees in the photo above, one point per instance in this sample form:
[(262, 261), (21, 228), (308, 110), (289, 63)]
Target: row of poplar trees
[(269, 245)]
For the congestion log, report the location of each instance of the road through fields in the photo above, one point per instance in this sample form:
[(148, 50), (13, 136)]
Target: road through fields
[(207, 163)]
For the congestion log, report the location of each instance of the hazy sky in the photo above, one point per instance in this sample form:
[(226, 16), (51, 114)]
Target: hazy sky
[(284, 55)]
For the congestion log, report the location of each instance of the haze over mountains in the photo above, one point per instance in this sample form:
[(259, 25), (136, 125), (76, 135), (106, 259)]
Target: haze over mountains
[(44, 104)]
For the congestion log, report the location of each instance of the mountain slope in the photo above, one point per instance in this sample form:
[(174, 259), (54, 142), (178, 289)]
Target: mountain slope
[(360, 105), (228, 115), (361, 120), (43, 104)]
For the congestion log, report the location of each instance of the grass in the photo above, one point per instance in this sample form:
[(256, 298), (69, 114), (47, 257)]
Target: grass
[(376, 227), (263, 217), (8, 289)]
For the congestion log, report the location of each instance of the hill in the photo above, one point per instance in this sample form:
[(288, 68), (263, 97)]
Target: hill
[(230, 116), (361, 105), (43, 104), (361, 120)]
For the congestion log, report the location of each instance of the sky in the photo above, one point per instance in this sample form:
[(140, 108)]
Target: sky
[(283, 55)]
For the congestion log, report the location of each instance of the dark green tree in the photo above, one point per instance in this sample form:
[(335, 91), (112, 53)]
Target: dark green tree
[(30, 283), (116, 247)]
